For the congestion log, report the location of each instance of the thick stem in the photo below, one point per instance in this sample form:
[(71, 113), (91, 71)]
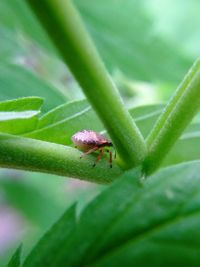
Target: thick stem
[(64, 26), (34, 155), (178, 113)]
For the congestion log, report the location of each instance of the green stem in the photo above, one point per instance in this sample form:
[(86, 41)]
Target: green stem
[(34, 155), (177, 115), (65, 27)]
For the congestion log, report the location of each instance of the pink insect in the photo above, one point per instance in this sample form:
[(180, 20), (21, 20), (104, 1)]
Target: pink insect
[(90, 141)]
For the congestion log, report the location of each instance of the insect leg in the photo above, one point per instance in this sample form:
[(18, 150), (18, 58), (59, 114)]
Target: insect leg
[(99, 157), (110, 157), (110, 160), (89, 151)]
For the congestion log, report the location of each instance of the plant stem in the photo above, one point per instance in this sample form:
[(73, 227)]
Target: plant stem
[(34, 155), (178, 113), (65, 27)]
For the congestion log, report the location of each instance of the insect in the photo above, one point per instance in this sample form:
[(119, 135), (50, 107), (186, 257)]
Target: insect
[(90, 141)]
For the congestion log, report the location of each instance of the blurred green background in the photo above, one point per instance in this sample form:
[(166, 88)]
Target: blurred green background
[(147, 47)]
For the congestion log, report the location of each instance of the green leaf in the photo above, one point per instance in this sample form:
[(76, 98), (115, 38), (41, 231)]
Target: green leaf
[(145, 116), (161, 224), (128, 224), (61, 123), (15, 81), (50, 250), (16, 15), (15, 260), (62, 112), (187, 148), (132, 43), (9, 47), (19, 115), (62, 258), (22, 104)]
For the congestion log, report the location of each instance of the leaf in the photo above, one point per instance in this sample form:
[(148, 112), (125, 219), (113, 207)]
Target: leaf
[(16, 15), (15, 82), (130, 225), (63, 256), (9, 47), (62, 122), (145, 116), (187, 148), (62, 112), (59, 129), (131, 43), (22, 104), (19, 115), (15, 260), (51, 248), (161, 225)]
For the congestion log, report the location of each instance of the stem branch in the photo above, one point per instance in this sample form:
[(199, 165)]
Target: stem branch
[(34, 155), (65, 27), (177, 115)]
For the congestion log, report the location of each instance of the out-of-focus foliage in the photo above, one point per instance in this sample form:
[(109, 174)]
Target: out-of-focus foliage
[(127, 40), (126, 34), (177, 21), (16, 16), (15, 81)]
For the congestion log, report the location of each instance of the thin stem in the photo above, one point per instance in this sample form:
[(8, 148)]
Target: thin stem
[(65, 27), (34, 155), (177, 115)]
